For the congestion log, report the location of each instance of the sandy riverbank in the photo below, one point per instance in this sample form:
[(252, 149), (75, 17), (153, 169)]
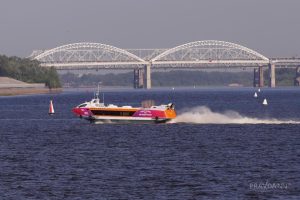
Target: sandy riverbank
[(12, 87), (27, 91)]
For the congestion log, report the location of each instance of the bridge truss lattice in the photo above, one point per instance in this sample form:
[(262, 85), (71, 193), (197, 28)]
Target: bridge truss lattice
[(87, 54), (199, 53)]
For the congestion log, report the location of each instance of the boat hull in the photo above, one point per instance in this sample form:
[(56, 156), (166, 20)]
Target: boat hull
[(139, 116), (129, 120)]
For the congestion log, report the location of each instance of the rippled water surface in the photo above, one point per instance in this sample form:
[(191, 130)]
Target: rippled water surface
[(224, 145)]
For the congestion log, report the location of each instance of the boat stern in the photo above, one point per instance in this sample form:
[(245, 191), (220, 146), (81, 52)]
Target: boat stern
[(159, 114), (170, 113)]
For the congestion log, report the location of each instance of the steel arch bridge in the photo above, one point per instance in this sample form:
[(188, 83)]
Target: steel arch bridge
[(210, 52), (194, 54), (86, 55)]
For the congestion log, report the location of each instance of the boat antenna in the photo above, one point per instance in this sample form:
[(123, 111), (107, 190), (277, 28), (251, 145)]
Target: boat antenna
[(103, 97), (98, 91)]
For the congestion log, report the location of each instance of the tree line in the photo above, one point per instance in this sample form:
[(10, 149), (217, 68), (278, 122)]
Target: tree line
[(28, 71), (160, 79), (284, 77)]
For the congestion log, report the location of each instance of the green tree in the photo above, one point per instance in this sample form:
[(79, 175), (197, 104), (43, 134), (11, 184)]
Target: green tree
[(29, 71)]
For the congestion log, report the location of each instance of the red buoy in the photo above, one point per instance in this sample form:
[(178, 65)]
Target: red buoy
[(51, 109)]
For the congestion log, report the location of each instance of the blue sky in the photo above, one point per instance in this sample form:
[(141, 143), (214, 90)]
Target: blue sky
[(271, 27)]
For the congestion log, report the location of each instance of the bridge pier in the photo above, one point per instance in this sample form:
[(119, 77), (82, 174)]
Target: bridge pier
[(272, 82), (147, 76), (297, 77), (261, 76), (138, 78), (255, 77), (258, 77)]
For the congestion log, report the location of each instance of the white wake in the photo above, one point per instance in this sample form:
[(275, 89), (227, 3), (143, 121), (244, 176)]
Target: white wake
[(203, 115)]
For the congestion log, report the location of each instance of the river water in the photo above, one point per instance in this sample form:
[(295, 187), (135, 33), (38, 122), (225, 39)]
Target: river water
[(224, 144)]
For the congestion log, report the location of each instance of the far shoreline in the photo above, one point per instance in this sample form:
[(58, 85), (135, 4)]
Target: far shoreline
[(6, 92), (174, 88)]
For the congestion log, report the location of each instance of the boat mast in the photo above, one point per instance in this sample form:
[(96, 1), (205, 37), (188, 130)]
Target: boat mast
[(103, 97), (98, 91)]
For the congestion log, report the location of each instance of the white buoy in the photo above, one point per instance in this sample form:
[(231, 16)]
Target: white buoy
[(173, 88), (51, 108), (258, 90), (255, 95), (265, 102)]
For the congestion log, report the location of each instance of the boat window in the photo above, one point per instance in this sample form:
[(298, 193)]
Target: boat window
[(125, 113), (113, 113), (82, 105)]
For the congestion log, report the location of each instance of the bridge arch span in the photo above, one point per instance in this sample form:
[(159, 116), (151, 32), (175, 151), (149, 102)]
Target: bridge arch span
[(206, 51), (88, 52)]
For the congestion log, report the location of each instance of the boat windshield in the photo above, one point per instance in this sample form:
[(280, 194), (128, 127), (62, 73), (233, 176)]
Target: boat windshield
[(82, 105), (95, 101)]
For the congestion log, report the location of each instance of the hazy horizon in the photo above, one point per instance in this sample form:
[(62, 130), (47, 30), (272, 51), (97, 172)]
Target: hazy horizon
[(269, 27)]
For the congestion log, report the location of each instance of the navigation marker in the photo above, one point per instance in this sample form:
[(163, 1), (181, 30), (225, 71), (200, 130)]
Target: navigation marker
[(265, 102), (51, 109), (255, 95)]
